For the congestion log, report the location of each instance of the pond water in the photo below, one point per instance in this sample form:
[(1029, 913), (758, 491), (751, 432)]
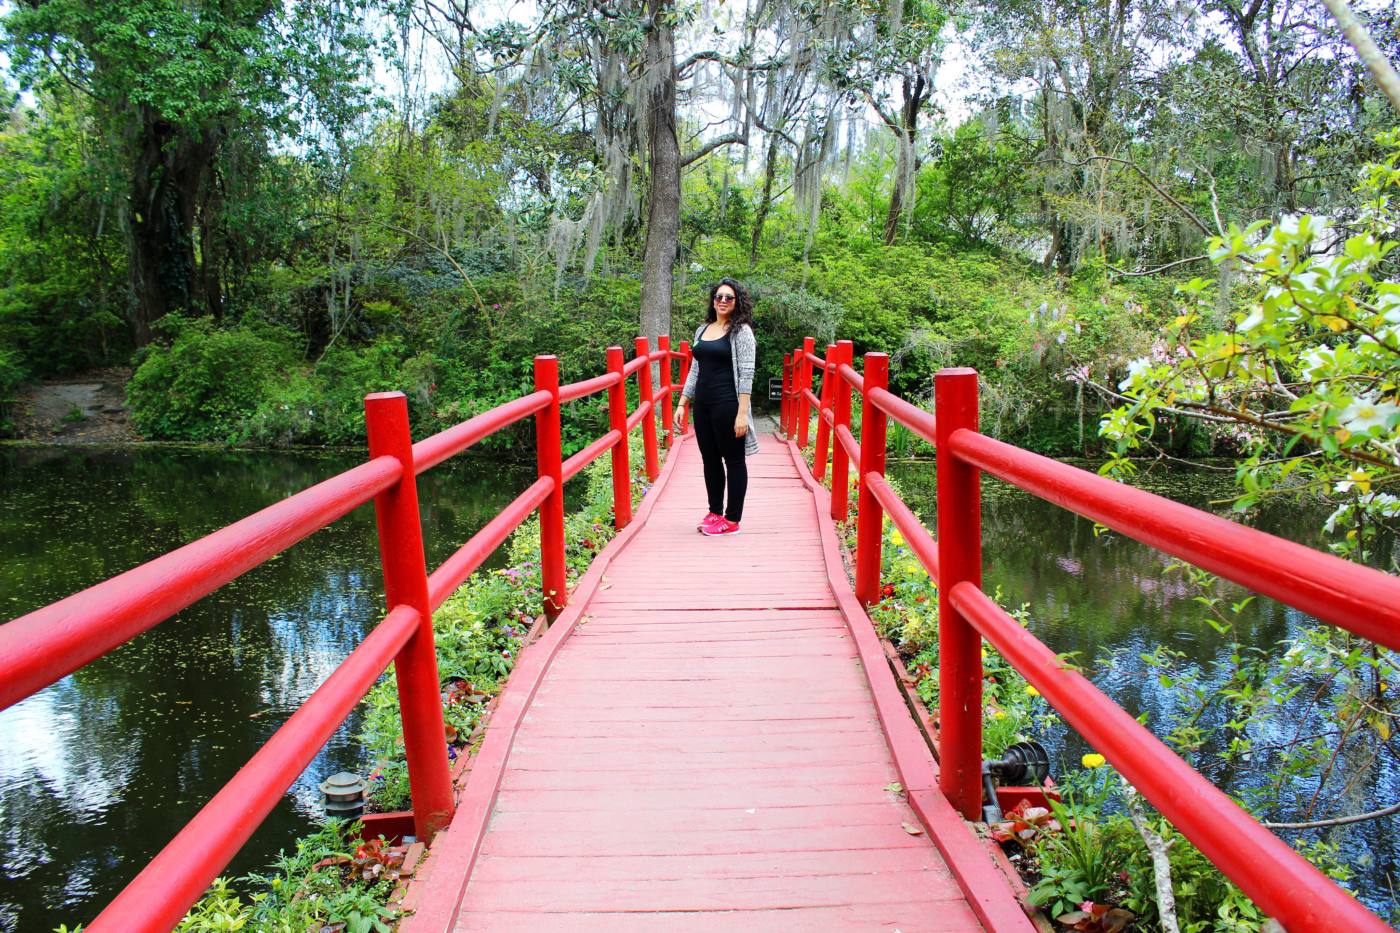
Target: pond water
[(99, 771)]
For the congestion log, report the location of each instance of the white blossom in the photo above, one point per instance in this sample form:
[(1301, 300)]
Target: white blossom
[(1135, 370), (1366, 413)]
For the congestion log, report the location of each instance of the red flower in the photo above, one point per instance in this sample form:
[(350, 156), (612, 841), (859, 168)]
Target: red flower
[(887, 589)]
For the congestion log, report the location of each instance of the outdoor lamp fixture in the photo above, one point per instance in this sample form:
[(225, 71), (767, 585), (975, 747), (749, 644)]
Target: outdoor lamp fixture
[(1026, 763), (344, 794)]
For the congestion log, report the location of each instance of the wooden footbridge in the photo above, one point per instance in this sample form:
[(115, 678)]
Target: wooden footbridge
[(708, 735)]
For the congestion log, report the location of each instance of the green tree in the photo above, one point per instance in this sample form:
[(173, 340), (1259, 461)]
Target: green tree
[(186, 98)]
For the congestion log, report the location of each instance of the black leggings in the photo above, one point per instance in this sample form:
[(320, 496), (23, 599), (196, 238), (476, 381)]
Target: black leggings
[(722, 453)]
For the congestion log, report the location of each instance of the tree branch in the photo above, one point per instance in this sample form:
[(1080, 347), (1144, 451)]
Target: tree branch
[(711, 55), (1334, 821), (1157, 847), (1185, 211), (740, 138), (781, 134), (1170, 265), (1371, 56), (884, 114)]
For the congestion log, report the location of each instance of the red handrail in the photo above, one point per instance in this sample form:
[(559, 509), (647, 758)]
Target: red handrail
[(1359, 599), (1346, 594), (444, 581), (157, 898), (431, 451), (45, 645), (592, 452), (577, 390), (50, 643)]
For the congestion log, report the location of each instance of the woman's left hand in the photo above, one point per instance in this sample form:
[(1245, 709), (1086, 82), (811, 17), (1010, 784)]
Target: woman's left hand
[(741, 425)]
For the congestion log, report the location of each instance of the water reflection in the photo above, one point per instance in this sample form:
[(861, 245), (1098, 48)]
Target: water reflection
[(100, 770), (1106, 601)]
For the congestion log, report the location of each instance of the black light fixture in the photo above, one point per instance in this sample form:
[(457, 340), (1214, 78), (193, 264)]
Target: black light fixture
[(344, 794), (1025, 763)]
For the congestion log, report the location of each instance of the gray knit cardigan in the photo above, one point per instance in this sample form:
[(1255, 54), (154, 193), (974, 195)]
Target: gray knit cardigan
[(745, 348)]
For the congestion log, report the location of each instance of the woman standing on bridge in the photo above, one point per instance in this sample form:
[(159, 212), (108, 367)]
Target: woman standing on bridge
[(720, 383)]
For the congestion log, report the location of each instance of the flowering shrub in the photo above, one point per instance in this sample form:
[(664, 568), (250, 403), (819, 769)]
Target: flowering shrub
[(1305, 376)]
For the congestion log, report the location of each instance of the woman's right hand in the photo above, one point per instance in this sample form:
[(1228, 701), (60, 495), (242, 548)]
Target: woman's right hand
[(678, 422)]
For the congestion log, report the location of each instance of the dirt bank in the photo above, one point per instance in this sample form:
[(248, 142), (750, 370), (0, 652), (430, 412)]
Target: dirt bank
[(86, 409)]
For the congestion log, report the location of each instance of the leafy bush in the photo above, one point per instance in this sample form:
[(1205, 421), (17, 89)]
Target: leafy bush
[(207, 381), (12, 374)]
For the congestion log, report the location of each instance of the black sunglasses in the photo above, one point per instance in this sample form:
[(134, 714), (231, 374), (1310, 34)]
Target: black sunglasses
[(724, 298)]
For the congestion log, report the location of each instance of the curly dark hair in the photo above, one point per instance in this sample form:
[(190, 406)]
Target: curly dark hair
[(743, 305)]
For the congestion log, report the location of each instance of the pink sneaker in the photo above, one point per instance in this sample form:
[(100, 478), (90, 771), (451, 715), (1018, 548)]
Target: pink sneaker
[(709, 519), (722, 527)]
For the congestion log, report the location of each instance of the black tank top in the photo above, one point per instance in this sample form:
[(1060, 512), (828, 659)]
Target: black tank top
[(715, 383)]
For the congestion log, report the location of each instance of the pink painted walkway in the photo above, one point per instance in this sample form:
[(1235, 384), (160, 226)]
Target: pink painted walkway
[(697, 744)]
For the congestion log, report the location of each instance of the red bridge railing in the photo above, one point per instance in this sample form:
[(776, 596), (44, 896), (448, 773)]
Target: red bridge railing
[(1358, 599), (48, 644)]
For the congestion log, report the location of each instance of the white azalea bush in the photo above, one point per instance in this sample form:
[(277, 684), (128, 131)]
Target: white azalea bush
[(1305, 378)]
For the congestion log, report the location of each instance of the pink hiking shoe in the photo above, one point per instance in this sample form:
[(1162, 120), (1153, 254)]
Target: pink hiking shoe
[(722, 527), (709, 519)]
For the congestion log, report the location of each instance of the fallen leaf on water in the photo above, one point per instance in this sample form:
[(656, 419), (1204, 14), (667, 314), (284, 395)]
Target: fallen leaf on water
[(911, 829)]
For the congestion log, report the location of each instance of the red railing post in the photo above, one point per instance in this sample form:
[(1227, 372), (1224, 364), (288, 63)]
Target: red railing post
[(787, 390), (841, 415), (663, 343), (795, 394), (959, 561), (823, 429), (804, 385), (406, 584), (549, 455), (685, 374), (649, 422), (617, 421), (870, 517)]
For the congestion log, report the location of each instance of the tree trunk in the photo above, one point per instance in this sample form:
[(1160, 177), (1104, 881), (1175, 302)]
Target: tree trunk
[(169, 174), (664, 173), (765, 201), (906, 154), (896, 209)]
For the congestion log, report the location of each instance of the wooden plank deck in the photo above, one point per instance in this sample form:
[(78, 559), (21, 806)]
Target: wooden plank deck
[(697, 745)]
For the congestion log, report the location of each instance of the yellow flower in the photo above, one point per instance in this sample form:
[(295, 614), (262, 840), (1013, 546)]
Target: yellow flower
[(999, 714), (984, 654), (1031, 691), (896, 538), (1093, 760), (910, 567)]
